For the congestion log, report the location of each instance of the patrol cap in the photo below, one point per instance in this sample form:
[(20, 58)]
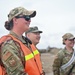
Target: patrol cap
[(68, 36), (33, 29), (20, 11)]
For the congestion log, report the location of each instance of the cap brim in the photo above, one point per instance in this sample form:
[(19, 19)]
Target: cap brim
[(72, 38), (33, 14), (37, 31)]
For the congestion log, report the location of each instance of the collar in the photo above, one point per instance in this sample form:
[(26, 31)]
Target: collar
[(67, 52), (21, 38)]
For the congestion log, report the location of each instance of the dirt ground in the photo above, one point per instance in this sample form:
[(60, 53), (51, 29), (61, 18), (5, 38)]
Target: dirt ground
[(47, 61)]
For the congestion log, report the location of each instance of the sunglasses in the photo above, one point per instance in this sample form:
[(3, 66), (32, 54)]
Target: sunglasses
[(26, 17), (71, 39)]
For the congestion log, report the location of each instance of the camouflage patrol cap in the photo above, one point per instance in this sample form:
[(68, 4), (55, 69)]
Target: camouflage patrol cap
[(20, 11), (68, 36), (33, 30)]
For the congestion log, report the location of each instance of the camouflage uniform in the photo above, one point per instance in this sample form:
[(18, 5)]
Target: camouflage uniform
[(13, 57), (62, 58)]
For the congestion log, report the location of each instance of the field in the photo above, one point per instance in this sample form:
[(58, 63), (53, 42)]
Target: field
[(47, 61)]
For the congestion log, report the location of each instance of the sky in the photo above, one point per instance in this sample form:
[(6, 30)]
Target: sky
[(54, 18)]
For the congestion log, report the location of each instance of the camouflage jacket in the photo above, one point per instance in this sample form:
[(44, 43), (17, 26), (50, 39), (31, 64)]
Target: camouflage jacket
[(13, 57), (62, 58)]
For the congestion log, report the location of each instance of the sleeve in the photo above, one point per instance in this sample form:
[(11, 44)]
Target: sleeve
[(11, 59), (56, 65)]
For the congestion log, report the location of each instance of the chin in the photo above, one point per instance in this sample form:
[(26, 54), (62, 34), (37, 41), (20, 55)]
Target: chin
[(37, 42), (26, 28)]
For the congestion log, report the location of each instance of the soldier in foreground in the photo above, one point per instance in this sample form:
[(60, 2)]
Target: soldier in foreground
[(18, 55), (64, 63)]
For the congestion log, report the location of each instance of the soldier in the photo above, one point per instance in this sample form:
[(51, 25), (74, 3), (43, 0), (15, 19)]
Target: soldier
[(18, 55), (65, 59), (33, 34)]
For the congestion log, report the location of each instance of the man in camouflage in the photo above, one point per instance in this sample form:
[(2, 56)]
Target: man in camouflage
[(33, 34), (11, 54), (63, 65)]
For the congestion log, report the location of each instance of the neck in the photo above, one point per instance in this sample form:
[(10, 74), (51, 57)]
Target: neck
[(70, 49), (19, 33)]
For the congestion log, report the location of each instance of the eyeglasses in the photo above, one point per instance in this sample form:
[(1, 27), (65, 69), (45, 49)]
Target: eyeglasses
[(26, 17)]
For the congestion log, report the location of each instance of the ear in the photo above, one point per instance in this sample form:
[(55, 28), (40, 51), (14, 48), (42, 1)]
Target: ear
[(28, 34), (15, 20)]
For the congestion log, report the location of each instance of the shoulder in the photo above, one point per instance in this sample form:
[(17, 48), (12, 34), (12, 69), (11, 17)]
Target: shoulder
[(9, 48), (61, 53), (8, 45), (58, 58)]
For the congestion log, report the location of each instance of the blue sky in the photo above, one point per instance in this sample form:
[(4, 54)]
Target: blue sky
[(54, 18)]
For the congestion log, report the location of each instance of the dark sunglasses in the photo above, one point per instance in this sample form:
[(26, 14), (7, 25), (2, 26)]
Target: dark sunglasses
[(26, 17), (71, 39)]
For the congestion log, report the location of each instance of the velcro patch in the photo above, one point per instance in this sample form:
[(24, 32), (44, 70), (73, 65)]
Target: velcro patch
[(12, 62), (6, 55)]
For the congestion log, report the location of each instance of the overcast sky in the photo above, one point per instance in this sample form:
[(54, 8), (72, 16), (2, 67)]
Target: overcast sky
[(54, 18)]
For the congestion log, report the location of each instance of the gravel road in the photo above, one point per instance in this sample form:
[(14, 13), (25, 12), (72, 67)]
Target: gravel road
[(47, 61)]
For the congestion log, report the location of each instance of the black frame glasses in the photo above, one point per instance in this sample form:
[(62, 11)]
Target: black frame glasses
[(26, 17)]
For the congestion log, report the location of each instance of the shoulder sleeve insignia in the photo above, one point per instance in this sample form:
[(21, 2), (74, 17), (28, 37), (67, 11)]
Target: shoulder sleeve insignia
[(12, 62)]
